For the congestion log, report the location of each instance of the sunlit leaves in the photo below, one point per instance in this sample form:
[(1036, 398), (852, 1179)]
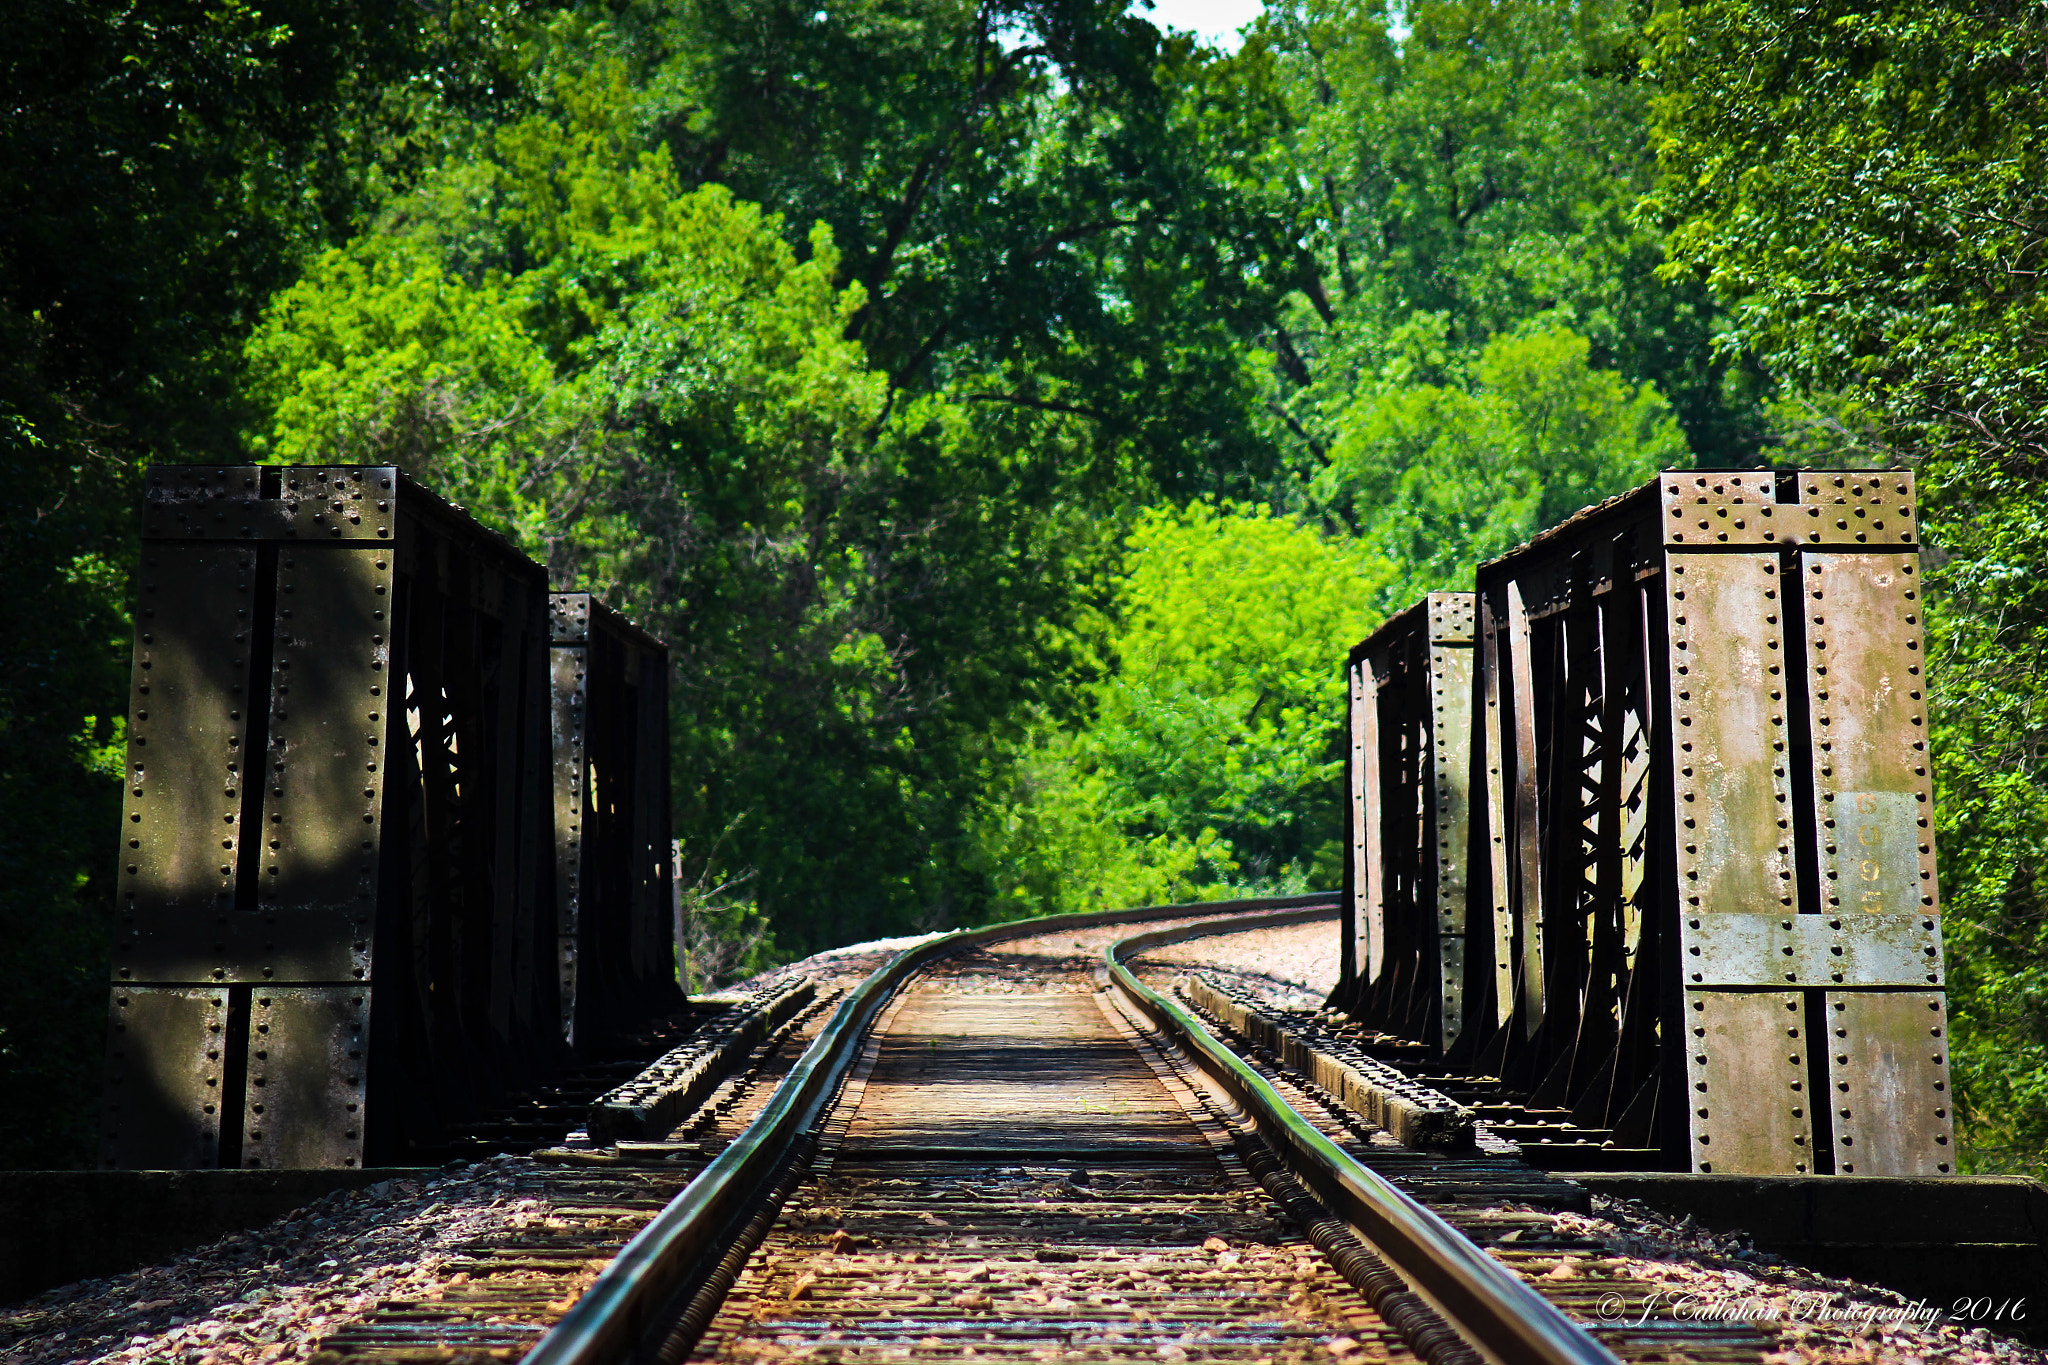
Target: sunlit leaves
[(1476, 163), (1211, 760), (1442, 476)]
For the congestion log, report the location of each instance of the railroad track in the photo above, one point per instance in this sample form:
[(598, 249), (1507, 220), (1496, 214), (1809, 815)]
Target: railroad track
[(1008, 1145)]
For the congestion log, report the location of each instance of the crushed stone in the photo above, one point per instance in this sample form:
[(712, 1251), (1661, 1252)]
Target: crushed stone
[(270, 1294)]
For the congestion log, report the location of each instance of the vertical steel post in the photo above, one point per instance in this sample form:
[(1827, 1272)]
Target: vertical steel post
[(1360, 777), (1451, 623), (617, 954)]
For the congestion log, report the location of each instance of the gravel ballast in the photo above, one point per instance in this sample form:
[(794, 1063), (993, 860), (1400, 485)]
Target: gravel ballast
[(270, 1294)]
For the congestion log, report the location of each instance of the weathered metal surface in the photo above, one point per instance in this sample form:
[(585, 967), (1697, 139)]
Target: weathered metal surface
[(1888, 1077), (1837, 949), (1450, 681), (166, 1062), (329, 719), (568, 617), (1703, 739), (1874, 798), (307, 1061), (1860, 520), (643, 856), (1367, 932), (1408, 819), (615, 931), (338, 763), (305, 502), (1490, 751), (182, 825), (1730, 774), (1860, 508), (1355, 943), (1746, 1082), (1392, 804), (1518, 750)]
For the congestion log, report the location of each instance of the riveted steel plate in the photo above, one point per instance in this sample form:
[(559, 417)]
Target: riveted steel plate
[(207, 502), (568, 618), (164, 1071), (1852, 485), (1368, 942), (569, 665), (1888, 1083), (187, 722), (305, 1092), (1722, 507), (1871, 856), (1745, 1071), (1812, 950), (1519, 758), (1450, 618), (1451, 761), (1752, 487), (1451, 778), (235, 945), (341, 502), (1501, 950), (1873, 795), (1728, 523), (244, 518), (1856, 508), (1353, 947), (1727, 701), (330, 715), (181, 834), (1451, 984), (170, 485), (353, 502)]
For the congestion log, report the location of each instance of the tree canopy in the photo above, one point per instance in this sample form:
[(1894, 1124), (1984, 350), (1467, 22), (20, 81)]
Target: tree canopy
[(1011, 411)]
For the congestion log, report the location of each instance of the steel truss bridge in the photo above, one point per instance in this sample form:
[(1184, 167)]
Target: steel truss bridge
[(1640, 856)]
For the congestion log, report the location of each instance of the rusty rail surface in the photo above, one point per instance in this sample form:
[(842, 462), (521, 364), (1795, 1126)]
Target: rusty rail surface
[(1478, 1294), (655, 1268)]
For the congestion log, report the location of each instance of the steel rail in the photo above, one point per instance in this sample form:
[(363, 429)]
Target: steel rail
[(608, 1323), (1507, 1319)]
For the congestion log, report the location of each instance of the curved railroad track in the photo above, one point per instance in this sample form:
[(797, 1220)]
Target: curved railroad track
[(1017, 1143)]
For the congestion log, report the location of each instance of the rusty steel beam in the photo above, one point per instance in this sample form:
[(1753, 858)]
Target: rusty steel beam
[(1714, 927), (336, 902), (1407, 821), (616, 949)]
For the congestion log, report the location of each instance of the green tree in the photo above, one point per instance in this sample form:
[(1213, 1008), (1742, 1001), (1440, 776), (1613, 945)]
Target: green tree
[(1477, 163), (1442, 476), (1210, 761), (648, 384), (163, 165), (1049, 206)]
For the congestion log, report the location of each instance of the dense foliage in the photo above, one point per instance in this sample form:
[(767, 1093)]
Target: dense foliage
[(1010, 411), (1207, 758)]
